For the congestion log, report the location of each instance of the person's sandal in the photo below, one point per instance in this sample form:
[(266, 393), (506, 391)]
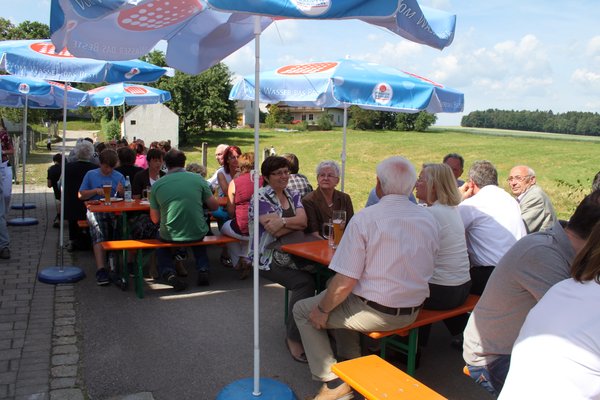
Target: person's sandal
[(226, 261)]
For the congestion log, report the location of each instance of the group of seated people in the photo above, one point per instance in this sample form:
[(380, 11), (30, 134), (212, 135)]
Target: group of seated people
[(399, 254), (396, 258)]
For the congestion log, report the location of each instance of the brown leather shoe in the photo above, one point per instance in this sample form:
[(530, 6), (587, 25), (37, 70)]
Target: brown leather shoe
[(342, 392)]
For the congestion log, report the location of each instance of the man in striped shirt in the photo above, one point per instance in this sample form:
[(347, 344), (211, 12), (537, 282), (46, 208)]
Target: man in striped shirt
[(383, 264)]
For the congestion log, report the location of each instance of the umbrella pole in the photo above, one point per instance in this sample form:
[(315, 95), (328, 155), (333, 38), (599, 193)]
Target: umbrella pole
[(344, 146), (24, 155), (124, 124), (22, 221), (257, 30), (60, 273)]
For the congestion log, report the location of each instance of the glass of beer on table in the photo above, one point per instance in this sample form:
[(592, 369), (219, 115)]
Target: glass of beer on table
[(339, 224), (107, 188)]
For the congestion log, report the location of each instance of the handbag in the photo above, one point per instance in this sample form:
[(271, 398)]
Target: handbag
[(282, 259)]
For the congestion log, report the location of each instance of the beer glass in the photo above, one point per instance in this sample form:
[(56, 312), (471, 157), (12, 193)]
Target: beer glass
[(146, 193), (339, 224), (328, 234), (107, 188)]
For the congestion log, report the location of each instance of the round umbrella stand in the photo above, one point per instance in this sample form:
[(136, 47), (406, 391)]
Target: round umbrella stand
[(24, 206), (269, 389), (55, 275), (22, 221)]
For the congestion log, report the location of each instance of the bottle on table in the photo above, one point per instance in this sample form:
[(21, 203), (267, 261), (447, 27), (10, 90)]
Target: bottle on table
[(127, 189)]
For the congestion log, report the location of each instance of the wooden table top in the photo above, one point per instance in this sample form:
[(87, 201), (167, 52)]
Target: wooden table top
[(118, 207), (318, 251)]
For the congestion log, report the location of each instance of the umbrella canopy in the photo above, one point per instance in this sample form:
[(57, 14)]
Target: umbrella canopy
[(126, 93), (343, 83), (340, 84), (198, 36), (15, 91), (38, 59), (403, 17)]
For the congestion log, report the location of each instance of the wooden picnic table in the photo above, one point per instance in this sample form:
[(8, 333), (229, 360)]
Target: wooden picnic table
[(118, 207), (317, 251)]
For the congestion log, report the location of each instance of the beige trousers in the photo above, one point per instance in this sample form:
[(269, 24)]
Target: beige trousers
[(348, 319)]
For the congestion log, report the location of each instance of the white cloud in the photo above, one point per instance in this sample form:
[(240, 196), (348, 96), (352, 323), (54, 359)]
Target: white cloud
[(589, 80), (593, 47)]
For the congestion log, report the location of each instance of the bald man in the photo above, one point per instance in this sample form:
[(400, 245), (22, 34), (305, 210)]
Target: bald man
[(536, 208), (219, 153)]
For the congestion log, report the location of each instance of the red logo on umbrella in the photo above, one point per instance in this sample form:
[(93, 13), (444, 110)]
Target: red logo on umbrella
[(136, 90), (303, 69), (158, 14), (49, 50)]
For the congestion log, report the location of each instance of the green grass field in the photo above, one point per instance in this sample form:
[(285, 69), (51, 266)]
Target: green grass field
[(565, 166)]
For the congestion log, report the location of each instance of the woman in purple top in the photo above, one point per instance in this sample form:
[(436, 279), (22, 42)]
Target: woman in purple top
[(281, 215)]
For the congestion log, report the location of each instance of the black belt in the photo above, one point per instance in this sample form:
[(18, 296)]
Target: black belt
[(391, 310)]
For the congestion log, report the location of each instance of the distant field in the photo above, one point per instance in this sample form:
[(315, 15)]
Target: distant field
[(564, 167), (564, 164)]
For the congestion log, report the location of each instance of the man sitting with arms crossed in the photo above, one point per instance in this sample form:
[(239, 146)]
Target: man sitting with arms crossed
[(536, 208), (383, 265), (522, 277)]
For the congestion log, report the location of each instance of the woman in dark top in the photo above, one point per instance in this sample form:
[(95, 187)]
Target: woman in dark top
[(74, 208), (320, 203)]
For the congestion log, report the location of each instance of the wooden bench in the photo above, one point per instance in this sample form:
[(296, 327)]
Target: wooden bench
[(153, 244), (376, 379), (82, 223), (425, 317)]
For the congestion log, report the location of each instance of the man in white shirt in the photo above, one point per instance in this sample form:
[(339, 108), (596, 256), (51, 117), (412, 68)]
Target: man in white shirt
[(219, 153), (383, 265), (492, 220)]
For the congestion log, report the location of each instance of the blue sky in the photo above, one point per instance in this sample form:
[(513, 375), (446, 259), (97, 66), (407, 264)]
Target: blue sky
[(509, 54)]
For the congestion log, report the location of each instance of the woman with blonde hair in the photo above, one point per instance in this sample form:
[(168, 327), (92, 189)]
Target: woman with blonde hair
[(450, 284)]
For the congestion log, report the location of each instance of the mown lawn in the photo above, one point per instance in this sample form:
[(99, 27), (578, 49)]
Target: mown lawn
[(565, 166)]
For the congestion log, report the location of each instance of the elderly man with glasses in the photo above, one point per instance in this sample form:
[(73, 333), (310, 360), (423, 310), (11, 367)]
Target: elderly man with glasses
[(536, 208)]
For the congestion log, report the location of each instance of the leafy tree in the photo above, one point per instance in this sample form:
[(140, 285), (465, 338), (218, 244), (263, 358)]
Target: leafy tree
[(25, 30), (424, 121), (274, 116), (201, 101), (362, 119), (324, 121), (406, 122)]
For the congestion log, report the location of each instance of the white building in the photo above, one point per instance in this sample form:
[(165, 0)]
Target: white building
[(153, 122), (245, 111)]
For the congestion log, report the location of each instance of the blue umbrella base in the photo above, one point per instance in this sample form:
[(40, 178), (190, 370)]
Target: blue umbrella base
[(25, 221), (23, 206), (270, 389), (55, 275)]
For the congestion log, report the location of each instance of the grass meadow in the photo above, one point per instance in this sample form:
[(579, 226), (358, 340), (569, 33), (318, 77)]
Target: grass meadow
[(565, 165)]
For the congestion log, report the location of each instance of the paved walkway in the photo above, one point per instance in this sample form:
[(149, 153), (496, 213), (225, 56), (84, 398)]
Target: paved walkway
[(39, 355)]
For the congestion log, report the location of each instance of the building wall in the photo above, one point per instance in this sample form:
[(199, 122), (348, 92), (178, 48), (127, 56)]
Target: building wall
[(151, 123)]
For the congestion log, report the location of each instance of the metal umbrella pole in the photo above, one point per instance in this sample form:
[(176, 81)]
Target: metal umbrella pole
[(61, 273), (22, 220)]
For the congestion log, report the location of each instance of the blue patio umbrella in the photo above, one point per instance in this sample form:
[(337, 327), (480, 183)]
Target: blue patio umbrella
[(342, 83), (22, 92), (119, 94), (40, 59), (135, 26)]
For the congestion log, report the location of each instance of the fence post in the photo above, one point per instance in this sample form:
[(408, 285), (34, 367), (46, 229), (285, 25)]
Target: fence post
[(204, 154)]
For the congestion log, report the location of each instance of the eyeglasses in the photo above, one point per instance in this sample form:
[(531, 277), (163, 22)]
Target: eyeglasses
[(231, 158), (517, 178), (326, 176), (281, 172)]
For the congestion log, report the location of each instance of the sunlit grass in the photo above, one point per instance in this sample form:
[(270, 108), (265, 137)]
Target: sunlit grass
[(564, 167)]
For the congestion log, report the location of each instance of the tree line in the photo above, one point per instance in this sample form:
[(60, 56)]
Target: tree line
[(572, 122)]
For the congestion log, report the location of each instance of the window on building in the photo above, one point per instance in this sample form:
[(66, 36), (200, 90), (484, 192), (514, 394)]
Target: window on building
[(132, 122), (303, 117), (310, 117)]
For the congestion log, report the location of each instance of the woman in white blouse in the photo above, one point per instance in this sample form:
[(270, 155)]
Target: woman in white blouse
[(450, 284)]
